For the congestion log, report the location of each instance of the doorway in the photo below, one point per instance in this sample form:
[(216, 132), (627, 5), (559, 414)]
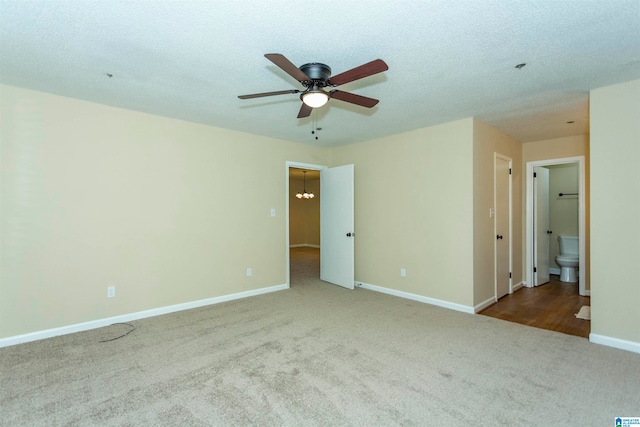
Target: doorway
[(337, 231), (532, 237), (301, 237)]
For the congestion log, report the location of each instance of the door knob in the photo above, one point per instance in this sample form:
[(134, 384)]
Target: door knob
[(351, 234), (498, 237), (549, 231)]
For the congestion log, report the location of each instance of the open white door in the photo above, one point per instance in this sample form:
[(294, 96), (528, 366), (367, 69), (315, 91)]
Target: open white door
[(541, 226), (337, 226)]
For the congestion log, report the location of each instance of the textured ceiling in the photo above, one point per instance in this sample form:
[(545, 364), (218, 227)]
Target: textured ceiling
[(447, 60)]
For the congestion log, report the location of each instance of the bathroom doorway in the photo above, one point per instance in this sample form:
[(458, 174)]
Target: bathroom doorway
[(557, 168)]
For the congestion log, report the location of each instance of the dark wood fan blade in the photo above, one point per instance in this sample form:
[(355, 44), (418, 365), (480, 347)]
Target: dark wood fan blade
[(260, 95), (287, 66), (366, 70), (353, 98), (305, 111)]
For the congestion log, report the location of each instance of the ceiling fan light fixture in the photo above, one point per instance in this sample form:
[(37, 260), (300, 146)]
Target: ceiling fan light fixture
[(316, 76), (315, 98)]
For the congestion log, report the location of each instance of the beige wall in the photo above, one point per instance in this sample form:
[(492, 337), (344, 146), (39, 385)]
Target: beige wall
[(487, 141), (557, 148), (615, 211), (163, 209), (414, 210), (304, 214), (95, 196), (563, 211)]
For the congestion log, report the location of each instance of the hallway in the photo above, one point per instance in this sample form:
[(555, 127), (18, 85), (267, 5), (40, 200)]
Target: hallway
[(304, 264)]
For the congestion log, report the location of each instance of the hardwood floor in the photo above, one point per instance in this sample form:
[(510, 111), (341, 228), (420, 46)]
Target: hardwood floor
[(551, 306)]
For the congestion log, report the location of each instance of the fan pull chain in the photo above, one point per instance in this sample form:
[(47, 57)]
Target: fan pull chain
[(314, 124)]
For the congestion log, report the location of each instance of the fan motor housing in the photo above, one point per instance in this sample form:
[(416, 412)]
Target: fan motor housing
[(316, 71)]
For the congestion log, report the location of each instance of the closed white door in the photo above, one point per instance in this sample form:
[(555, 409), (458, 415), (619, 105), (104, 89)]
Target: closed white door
[(337, 226), (502, 200), (541, 230)]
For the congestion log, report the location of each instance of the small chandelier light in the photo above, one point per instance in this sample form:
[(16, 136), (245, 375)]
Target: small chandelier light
[(305, 195)]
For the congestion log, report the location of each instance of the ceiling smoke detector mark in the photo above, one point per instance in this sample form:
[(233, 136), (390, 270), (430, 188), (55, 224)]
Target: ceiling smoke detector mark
[(521, 66)]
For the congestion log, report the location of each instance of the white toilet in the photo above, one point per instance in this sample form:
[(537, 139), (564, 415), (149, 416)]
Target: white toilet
[(568, 259)]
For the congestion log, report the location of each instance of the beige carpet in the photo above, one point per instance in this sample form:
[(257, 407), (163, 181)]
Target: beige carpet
[(318, 355)]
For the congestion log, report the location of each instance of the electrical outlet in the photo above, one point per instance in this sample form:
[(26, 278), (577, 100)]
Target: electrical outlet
[(111, 291), (403, 272), (249, 272), (273, 212)]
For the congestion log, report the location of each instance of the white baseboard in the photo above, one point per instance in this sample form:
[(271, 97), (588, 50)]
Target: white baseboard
[(489, 302), (555, 271), (587, 292), (479, 307), (415, 297), (304, 245), (615, 342), (79, 327)]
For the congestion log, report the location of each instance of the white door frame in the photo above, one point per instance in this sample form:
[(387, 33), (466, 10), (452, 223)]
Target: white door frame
[(299, 165), (581, 217), (497, 156)]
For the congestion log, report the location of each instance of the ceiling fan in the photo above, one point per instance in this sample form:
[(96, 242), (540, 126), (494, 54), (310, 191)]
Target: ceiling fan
[(315, 77)]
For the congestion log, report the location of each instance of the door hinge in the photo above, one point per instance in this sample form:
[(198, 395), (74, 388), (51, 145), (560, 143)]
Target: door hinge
[(509, 171), (535, 175), (509, 275), (535, 270)]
